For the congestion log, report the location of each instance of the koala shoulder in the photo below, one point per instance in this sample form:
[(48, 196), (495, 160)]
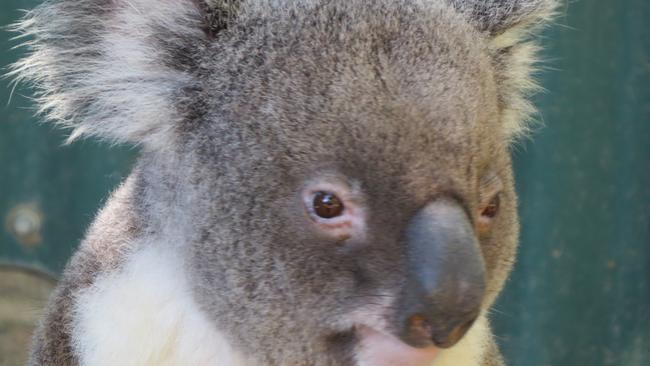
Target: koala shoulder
[(108, 241), (117, 283)]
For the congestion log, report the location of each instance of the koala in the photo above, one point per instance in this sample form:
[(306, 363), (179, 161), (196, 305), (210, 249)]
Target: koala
[(319, 182)]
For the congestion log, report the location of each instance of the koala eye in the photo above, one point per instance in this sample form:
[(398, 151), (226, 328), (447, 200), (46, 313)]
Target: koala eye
[(335, 208), (327, 205), (491, 210), (488, 212)]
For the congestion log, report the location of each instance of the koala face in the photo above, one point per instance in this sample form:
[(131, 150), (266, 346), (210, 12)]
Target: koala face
[(335, 175), (343, 152)]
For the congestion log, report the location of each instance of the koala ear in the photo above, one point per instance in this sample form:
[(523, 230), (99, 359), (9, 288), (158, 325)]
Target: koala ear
[(509, 24), (117, 69)]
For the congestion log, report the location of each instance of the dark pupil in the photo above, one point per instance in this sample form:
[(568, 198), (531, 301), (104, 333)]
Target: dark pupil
[(327, 205), (492, 208)]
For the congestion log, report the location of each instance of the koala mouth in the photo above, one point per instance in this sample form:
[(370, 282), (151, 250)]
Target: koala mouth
[(380, 349)]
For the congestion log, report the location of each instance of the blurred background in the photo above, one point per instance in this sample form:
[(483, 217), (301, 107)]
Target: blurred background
[(580, 293)]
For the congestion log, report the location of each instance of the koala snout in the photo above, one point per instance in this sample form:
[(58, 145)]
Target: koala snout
[(445, 280)]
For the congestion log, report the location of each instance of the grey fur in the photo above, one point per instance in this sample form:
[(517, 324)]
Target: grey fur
[(411, 98), (497, 16)]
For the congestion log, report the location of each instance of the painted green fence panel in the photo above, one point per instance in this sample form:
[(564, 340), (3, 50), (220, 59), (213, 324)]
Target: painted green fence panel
[(580, 294), (41, 180)]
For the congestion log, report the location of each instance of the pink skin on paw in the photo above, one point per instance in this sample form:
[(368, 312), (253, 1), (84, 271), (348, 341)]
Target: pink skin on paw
[(379, 349)]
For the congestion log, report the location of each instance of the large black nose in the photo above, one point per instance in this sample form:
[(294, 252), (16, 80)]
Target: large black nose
[(445, 277)]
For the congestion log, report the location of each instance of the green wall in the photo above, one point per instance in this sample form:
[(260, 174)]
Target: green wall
[(580, 294), (65, 184)]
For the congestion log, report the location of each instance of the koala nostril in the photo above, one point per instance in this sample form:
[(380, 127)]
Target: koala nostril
[(420, 332), (418, 328), (453, 336)]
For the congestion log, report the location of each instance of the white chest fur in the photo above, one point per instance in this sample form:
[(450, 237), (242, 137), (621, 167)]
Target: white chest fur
[(144, 315)]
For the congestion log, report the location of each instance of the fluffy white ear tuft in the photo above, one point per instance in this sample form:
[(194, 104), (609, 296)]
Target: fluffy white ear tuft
[(509, 25), (112, 68)]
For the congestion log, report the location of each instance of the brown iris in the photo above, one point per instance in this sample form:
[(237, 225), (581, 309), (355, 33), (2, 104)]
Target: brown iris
[(492, 208), (327, 205)]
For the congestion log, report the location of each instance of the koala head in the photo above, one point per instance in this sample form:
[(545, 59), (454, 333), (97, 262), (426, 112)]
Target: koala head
[(331, 172)]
